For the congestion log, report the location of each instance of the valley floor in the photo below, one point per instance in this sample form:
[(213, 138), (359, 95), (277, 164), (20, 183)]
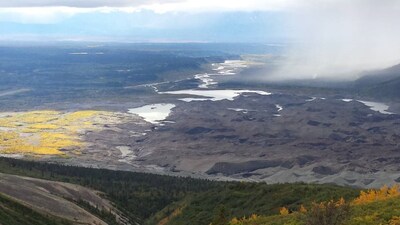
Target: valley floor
[(203, 125)]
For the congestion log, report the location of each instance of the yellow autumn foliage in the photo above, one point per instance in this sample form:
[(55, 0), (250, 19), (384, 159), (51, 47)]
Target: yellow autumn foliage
[(42, 126), (383, 193), (234, 221), (395, 220), (302, 209), (44, 132), (284, 211), (253, 217)]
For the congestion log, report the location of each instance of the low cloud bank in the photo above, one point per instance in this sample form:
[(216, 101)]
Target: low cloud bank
[(339, 39)]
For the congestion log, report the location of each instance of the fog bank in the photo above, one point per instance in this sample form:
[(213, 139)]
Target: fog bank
[(341, 38)]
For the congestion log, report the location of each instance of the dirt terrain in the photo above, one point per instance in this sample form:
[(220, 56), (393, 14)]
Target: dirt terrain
[(54, 198), (275, 138), (324, 140)]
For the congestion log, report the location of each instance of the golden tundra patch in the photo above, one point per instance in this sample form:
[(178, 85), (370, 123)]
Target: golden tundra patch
[(47, 132)]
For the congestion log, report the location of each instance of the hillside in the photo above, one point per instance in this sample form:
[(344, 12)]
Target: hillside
[(244, 199), (380, 83), (375, 211), (165, 200), (15, 213), (151, 199), (137, 195), (55, 198)]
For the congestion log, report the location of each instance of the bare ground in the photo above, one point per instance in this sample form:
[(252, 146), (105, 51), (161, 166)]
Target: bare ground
[(54, 198)]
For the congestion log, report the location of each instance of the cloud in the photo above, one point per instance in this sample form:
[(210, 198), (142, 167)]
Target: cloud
[(78, 3), (160, 6), (148, 26), (220, 5), (339, 39), (38, 15), (53, 11)]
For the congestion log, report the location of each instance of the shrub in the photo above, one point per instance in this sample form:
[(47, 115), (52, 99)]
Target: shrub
[(328, 213)]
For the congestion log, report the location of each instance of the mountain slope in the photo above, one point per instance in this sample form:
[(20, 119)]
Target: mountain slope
[(54, 199), (154, 199), (14, 213), (381, 83), (244, 199), (34, 201), (379, 212), (137, 195)]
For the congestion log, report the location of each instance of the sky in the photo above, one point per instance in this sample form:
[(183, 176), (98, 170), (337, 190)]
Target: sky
[(327, 38), (144, 20)]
